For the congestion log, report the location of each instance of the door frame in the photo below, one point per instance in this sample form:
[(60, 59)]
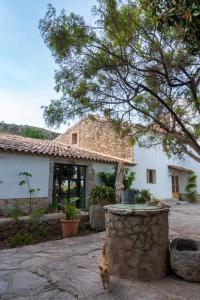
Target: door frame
[(175, 186)]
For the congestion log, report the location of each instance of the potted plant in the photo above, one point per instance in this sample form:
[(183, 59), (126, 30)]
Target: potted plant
[(70, 225), (99, 197)]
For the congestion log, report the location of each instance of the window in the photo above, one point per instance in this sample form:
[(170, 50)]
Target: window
[(151, 176), (74, 138), (69, 183)]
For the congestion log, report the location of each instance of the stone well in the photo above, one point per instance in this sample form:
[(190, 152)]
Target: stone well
[(137, 241)]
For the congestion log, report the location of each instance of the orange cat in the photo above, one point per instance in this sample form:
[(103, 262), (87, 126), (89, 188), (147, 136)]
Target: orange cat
[(104, 268)]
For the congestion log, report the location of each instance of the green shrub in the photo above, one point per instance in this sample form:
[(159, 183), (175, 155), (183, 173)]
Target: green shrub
[(70, 211), (54, 205), (108, 179), (32, 132), (21, 238), (37, 213), (42, 231), (15, 213), (191, 187), (143, 196), (102, 195)]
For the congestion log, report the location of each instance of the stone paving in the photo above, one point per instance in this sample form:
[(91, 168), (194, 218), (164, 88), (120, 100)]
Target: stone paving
[(68, 269)]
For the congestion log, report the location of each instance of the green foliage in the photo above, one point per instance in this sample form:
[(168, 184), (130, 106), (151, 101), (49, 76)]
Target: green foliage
[(129, 69), (34, 233), (37, 213), (143, 196), (32, 132), (71, 212), (70, 209), (42, 231), (21, 238), (54, 205), (191, 187), (108, 179), (32, 191), (35, 230), (15, 213), (102, 195), (183, 16)]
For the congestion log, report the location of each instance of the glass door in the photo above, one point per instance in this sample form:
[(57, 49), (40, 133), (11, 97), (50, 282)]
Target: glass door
[(69, 184)]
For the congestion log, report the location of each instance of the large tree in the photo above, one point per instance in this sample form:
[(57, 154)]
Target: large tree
[(123, 67), (182, 15)]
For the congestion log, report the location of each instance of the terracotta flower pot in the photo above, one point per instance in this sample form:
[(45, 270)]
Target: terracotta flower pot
[(69, 227)]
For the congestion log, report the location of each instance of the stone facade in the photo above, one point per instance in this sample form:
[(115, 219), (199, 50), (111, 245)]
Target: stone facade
[(137, 244), (98, 136), (23, 203)]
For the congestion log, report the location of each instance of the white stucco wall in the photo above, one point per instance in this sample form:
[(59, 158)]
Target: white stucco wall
[(191, 164), (156, 158), (10, 167), (152, 158)]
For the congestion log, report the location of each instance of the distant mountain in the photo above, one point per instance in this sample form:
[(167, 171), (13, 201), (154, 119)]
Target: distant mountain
[(28, 131)]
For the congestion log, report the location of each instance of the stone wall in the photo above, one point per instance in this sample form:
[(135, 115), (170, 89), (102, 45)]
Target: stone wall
[(9, 227), (138, 244), (98, 136), (24, 204)]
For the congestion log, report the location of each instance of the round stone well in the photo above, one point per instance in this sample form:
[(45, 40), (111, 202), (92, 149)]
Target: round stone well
[(137, 241)]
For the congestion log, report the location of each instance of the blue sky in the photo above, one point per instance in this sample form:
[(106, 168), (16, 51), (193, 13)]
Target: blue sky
[(26, 65)]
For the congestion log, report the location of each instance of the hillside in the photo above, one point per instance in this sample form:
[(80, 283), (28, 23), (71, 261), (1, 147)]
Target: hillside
[(29, 131)]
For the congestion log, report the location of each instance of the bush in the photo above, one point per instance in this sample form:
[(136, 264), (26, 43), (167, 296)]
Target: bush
[(54, 205), (108, 179), (32, 132), (37, 213), (191, 187), (102, 195), (21, 238), (143, 196), (15, 213), (42, 231), (71, 212)]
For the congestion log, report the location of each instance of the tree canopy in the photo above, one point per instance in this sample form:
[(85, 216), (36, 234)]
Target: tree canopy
[(128, 70), (182, 15)]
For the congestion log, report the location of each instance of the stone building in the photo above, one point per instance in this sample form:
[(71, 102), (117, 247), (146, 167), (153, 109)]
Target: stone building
[(164, 177), (53, 167), (97, 136)]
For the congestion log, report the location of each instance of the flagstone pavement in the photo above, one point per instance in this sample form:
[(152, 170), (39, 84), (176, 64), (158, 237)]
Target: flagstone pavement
[(68, 269)]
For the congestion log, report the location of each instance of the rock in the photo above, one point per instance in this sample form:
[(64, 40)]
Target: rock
[(97, 218), (27, 280), (185, 259), (3, 286)]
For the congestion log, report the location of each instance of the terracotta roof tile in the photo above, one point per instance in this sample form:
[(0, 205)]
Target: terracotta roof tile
[(16, 143)]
